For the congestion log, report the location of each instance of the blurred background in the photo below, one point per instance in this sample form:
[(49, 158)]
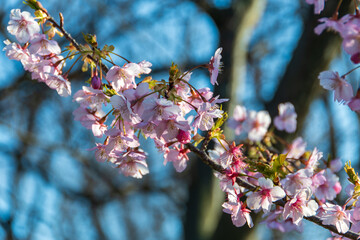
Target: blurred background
[(51, 186)]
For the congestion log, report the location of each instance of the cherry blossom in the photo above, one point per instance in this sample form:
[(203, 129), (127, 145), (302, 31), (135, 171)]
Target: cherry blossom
[(332, 81), (206, 114), (257, 124), (173, 113), (329, 187), (214, 66), (300, 206), (296, 149), (131, 163), (239, 213), (178, 156), (264, 197), (22, 25), (275, 220), (122, 78), (238, 119), (234, 153), (313, 160), (60, 84), (122, 105), (296, 181), (43, 46), (15, 51), (287, 118), (337, 216), (89, 97)]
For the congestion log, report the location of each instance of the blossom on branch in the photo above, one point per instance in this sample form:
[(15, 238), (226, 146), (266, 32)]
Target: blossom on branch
[(22, 25), (343, 92), (265, 196)]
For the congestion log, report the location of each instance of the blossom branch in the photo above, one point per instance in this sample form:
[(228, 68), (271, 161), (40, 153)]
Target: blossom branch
[(243, 183)]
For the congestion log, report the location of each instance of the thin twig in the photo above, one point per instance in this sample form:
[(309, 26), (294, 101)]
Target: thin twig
[(73, 41)]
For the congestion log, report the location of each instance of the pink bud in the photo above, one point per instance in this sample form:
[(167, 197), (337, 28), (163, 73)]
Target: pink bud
[(337, 187), (96, 82), (183, 136), (355, 58)]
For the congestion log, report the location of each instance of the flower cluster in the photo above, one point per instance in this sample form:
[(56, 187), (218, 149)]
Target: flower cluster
[(295, 179), (39, 54), (262, 172)]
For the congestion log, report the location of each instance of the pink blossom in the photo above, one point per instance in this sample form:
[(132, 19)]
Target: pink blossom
[(178, 157), (257, 125), (331, 23), (91, 119), (264, 197), (238, 119), (350, 32), (276, 221), (90, 97), (337, 216), (214, 66), (122, 78), (196, 99), (183, 89), (145, 67), (206, 114), (123, 107), (296, 181), (239, 213), (131, 163), (60, 84), (287, 118), (234, 153), (160, 109), (139, 98), (227, 181), (43, 46), (300, 206), (118, 141), (318, 5), (296, 148), (169, 129), (313, 160), (100, 153), (329, 188), (22, 25), (332, 81), (15, 52)]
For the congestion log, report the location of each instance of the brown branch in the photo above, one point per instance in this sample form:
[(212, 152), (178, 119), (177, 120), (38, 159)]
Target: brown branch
[(243, 183), (74, 42)]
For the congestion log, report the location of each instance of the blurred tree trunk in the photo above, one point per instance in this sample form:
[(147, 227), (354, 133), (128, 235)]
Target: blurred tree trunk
[(313, 54), (204, 218)]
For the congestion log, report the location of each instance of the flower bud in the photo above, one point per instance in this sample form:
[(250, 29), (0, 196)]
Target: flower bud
[(96, 82), (355, 58)]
